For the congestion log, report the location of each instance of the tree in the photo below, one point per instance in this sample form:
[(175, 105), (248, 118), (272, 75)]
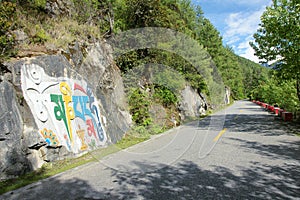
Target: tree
[(223, 57), (278, 39)]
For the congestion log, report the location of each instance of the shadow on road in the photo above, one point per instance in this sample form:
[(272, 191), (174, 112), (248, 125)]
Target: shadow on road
[(259, 124), (53, 188), (283, 149), (187, 181)]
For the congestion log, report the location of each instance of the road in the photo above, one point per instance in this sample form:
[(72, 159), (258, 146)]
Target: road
[(241, 152)]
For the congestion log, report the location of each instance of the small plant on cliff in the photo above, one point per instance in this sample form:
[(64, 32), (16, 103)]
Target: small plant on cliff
[(165, 96), (40, 36)]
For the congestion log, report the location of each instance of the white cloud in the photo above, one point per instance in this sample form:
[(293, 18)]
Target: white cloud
[(237, 20), (239, 30), (233, 40), (243, 45), (250, 2), (249, 54), (242, 23)]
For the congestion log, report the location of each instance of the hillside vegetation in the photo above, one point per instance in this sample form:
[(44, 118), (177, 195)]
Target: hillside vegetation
[(86, 21)]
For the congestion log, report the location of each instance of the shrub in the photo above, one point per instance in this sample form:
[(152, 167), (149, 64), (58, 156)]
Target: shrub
[(165, 96), (139, 104)]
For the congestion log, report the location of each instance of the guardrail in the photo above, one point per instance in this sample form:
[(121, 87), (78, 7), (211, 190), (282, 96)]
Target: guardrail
[(283, 114)]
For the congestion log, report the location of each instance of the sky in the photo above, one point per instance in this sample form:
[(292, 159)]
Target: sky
[(236, 20)]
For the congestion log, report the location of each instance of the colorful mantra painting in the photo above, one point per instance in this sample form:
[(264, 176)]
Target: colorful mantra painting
[(65, 110)]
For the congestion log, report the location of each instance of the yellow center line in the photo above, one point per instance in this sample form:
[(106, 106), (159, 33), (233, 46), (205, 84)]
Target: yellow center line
[(220, 134)]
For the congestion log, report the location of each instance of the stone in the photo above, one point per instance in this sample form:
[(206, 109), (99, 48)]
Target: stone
[(13, 161), (20, 36), (191, 104), (158, 114), (109, 87), (59, 7)]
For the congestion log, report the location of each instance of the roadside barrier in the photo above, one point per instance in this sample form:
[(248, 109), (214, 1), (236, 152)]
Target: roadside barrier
[(286, 116), (271, 108), (276, 111)]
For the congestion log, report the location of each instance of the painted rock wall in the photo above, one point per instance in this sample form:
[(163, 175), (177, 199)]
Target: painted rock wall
[(58, 106), (65, 110)]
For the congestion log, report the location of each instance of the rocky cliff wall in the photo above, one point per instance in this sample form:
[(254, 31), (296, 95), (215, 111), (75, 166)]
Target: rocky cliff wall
[(191, 104), (58, 106)]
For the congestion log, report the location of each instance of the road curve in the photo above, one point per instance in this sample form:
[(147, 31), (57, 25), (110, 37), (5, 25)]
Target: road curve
[(242, 152)]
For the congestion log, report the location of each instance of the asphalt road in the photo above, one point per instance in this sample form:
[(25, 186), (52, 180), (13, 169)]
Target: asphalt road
[(241, 152)]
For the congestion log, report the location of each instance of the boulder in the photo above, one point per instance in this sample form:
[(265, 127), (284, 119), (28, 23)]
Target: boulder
[(191, 104)]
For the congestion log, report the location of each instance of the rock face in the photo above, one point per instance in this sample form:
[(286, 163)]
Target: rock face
[(58, 106), (192, 104), (12, 152), (59, 7)]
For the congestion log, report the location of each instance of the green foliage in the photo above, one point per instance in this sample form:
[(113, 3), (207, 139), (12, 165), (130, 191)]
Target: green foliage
[(86, 10), (139, 104), (40, 36), (223, 57), (253, 75), (7, 24), (197, 82), (165, 95), (147, 13), (167, 69), (182, 16), (278, 39), (167, 78), (91, 18), (275, 91), (39, 3)]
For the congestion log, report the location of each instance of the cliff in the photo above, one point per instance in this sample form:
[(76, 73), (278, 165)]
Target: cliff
[(58, 106)]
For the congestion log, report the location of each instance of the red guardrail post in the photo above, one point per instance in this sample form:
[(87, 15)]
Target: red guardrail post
[(287, 116), (276, 110)]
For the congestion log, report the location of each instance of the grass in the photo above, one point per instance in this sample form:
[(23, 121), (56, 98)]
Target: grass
[(57, 33), (47, 170)]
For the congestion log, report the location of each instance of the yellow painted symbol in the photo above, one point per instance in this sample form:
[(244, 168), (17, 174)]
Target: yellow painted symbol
[(220, 134)]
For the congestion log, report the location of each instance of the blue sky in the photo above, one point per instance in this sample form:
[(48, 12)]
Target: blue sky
[(236, 20)]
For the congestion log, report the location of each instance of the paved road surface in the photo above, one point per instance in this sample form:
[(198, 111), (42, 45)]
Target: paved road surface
[(239, 153)]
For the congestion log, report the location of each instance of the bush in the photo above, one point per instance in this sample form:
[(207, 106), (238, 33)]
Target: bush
[(165, 96), (40, 35), (139, 104)]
